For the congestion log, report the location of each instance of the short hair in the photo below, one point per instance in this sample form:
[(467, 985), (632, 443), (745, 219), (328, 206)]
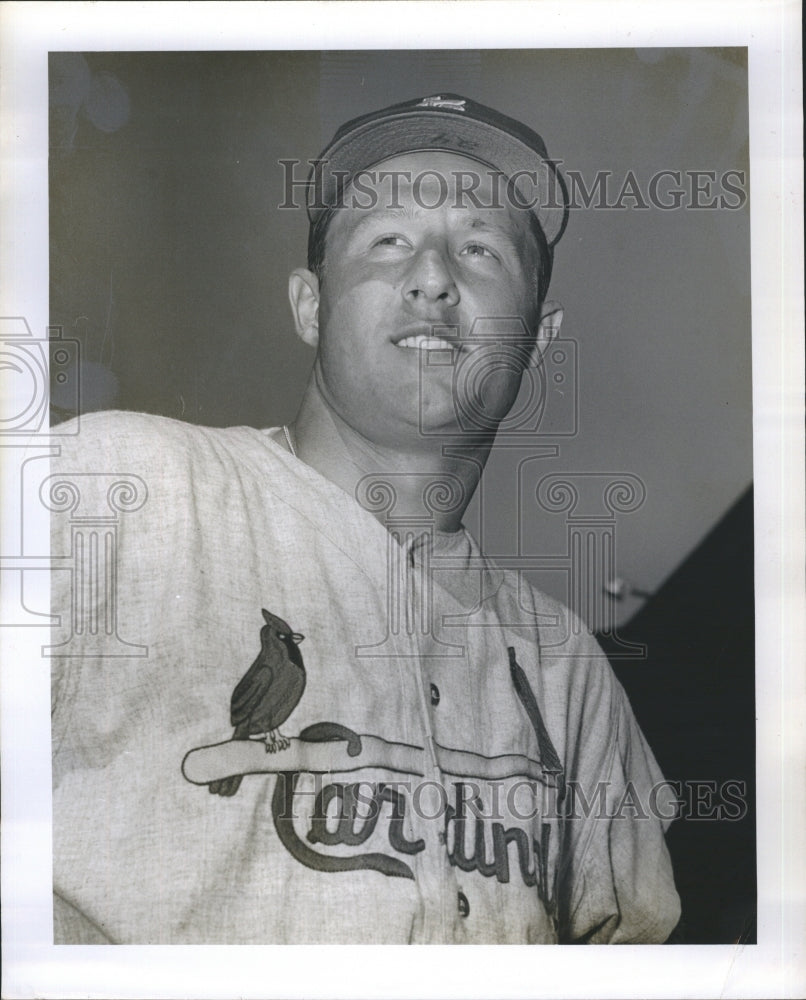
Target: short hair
[(317, 239)]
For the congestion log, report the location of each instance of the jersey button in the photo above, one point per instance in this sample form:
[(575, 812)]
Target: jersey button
[(434, 694), (464, 906)]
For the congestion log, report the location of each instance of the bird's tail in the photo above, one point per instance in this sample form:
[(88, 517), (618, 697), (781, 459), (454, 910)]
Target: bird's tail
[(225, 786)]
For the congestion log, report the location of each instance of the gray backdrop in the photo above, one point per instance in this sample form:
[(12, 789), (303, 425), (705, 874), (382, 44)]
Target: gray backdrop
[(169, 260)]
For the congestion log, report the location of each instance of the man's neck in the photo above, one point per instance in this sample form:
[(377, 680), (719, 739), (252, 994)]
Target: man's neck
[(416, 482)]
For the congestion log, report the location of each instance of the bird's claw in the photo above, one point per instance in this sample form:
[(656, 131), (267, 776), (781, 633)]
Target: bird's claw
[(281, 743)]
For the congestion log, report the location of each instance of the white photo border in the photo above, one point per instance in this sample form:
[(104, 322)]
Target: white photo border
[(776, 966)]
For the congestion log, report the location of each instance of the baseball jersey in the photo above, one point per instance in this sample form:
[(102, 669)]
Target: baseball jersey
[(431, 751)]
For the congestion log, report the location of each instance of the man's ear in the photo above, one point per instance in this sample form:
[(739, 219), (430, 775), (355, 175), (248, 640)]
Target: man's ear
[(303, 294), (548, 329)]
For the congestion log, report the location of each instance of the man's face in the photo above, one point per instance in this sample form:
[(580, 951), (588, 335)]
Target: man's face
[(425, 265)]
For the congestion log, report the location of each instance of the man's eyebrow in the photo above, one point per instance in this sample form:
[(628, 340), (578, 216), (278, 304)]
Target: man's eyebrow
[(475, 223), (380, 215), (508, 234), (487, 226)]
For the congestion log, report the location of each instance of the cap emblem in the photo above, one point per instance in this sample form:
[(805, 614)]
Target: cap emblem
[(442, 102)]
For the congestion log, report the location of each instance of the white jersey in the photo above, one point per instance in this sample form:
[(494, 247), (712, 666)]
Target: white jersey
[(425, 749)]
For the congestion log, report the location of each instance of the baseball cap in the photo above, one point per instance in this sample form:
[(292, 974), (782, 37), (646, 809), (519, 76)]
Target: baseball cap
[(445, 123)]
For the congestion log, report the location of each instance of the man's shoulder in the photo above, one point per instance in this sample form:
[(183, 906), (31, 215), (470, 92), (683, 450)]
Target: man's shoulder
[(145, 440), (570, 655), (114, 426), (541, 608)]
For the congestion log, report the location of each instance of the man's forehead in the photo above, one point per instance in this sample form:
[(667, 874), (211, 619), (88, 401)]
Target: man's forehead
[(461, 214)]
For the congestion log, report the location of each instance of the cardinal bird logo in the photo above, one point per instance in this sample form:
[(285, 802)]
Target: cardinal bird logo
[(267, 693)]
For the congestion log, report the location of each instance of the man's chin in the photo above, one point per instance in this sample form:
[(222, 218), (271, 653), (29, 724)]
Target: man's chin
[(429, 431)]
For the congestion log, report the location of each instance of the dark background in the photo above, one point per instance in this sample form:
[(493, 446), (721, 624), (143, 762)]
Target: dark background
[(168, 265), (694, 697)]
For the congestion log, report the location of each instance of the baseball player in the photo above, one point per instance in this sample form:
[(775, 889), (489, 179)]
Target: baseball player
[(292, 700)]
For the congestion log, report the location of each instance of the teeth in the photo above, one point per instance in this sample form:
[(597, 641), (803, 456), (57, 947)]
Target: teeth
[(424, 343)]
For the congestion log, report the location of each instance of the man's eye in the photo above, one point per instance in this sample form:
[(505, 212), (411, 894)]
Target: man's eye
[(390, 241), (478, 250)]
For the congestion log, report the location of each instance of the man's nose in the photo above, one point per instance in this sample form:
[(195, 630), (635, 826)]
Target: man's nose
[(430, 280)]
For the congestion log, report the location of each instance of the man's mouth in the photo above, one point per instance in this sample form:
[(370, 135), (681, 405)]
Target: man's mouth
[(424, 342)]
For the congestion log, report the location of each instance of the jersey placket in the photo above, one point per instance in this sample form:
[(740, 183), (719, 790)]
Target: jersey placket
[(443, 919)]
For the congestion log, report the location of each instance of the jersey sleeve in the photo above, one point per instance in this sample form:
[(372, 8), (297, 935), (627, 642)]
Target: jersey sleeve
[(106, 493), (71, 926), (618, 880)]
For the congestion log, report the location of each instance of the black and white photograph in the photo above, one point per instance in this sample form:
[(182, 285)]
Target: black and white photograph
[(387, 455)]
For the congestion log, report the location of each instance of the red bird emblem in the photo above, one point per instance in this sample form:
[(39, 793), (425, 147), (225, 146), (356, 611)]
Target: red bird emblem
[(267, 693)]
